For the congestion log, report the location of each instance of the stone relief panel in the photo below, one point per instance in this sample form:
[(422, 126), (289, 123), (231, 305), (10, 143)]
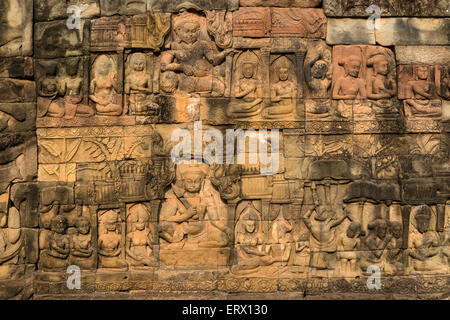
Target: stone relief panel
[(422, 89), (364, 78), (194, 64), (86, 170), (194, 220), (256, 22)]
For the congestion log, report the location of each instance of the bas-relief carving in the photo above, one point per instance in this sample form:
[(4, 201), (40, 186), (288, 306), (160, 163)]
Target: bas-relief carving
[(61, 89), (115, 203), (16, 21), (139, 86), (193, 218), (193, 64), (279, 22), (420, 88), (104, 90), (364, 80)]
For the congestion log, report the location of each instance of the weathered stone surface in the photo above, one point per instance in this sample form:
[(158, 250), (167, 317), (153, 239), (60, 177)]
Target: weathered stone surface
[(413, 31), (176, 5), (16, 19), (17, 67), (279, 22), (349, 31), (358, 8), (422, 54), (46, 10), (281, 3)]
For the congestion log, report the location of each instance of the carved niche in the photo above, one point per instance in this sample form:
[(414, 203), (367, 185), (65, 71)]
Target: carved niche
[(267, 80), (421, 88)]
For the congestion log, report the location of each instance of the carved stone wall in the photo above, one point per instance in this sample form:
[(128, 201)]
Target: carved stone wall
[(86, 174)]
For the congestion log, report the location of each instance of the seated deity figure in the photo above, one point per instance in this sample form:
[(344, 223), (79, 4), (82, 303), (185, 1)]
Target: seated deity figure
[(283, 95), (350, 88), (425, 248), (81, 248), (379, 89), (420, 91), (282, 241), (47, 101), (70, 88), (110, 242), (55, 246), (193, 215), (138, 241), (193, 60), (349, 246), (250, 254), (316, 77), (138, 84), (248, 100), (104, 89), (10, 237)]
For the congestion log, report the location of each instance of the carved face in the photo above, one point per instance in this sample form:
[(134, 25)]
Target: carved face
[(104, 66), (110, 226), (422, 73), (283, 74), (381, 67), (250, 226), (396, 231), (248, 70), (72, 68), (423, 223), (381, 230), (352, 68), (192, 181), (59, 225), (189, 32), (319, 70), (138, 63), (140, 225), (83, 226)]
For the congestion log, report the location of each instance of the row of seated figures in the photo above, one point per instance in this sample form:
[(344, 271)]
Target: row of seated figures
[(62, 96), (194, 229)]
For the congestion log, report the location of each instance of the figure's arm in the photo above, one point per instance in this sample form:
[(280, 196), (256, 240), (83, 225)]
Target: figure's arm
[(308, 75), (275, 96), (129, 242), (242, 93), (362, 90), (167, 63), (340, 219), (419, 90), (307, 219)]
